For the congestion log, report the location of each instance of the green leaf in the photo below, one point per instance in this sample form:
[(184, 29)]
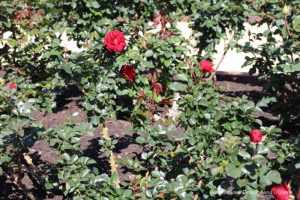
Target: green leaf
[(296, 23), (274, 176), (95, 4), (265, 101), (251, 194), (242, 182), (296, 67), (270, 177), (140, 140), (244, 154), (297, 165), (67, 156), (176, 86), (74, 158), (4, 159), (233, 171), (262, 149), (85, 172), (192, 121), (148, 53), (181, 77)]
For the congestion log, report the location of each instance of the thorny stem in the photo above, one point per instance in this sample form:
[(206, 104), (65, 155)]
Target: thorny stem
[(21, 185), (256, 150), (289, 34), (152, 106), (226, 47), (292, 57), (287, 26), (17, 180), (219, 64), (18, 160)]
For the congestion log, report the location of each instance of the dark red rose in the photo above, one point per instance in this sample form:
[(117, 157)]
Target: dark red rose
[(206, 66), (256, 136), (128, 72), (115, 41), (281, 192)]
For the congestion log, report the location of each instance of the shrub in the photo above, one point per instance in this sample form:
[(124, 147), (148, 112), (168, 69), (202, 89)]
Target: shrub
[(126, 68)]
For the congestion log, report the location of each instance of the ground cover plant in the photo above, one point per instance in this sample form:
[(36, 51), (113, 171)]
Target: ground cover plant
[(132, 63)]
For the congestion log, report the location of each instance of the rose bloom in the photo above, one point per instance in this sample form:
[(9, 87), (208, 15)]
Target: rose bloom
[(281, 192), (115, 41), (128, 72), (206, 66), (11, 86), (256, 136)]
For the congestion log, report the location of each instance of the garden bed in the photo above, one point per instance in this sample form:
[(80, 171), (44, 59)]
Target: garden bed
[(132, 108), (69, 104)]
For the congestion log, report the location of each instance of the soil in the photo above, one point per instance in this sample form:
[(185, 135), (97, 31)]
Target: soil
[(69, 105)]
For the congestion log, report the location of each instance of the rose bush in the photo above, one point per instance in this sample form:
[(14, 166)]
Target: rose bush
[(276, 57), (126, 67)]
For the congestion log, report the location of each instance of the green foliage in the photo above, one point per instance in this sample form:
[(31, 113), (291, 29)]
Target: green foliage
[(205, 152), (278, 57)]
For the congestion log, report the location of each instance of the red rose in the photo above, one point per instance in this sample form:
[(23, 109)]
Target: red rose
[(281, 192), (256, 136), (115, 41), (11, 86), (206, 66), (128, 72)]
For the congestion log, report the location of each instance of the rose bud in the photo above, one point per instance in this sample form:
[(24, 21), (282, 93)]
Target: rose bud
[(128, 72), (286, 10), (115, 41), (255, 136), (206, 66), (158, 88), (282, 192)]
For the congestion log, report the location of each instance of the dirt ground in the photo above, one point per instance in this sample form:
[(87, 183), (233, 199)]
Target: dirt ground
[(126, 147)]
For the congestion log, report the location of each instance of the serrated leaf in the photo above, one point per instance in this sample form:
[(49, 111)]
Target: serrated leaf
[(244, 154), (85, 172), (296, 23), (95, 4), (233, 171), (274, 176), (148, 53), (176, 86), (180, 77), (296, 67), (251, 194), (140, 140)]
